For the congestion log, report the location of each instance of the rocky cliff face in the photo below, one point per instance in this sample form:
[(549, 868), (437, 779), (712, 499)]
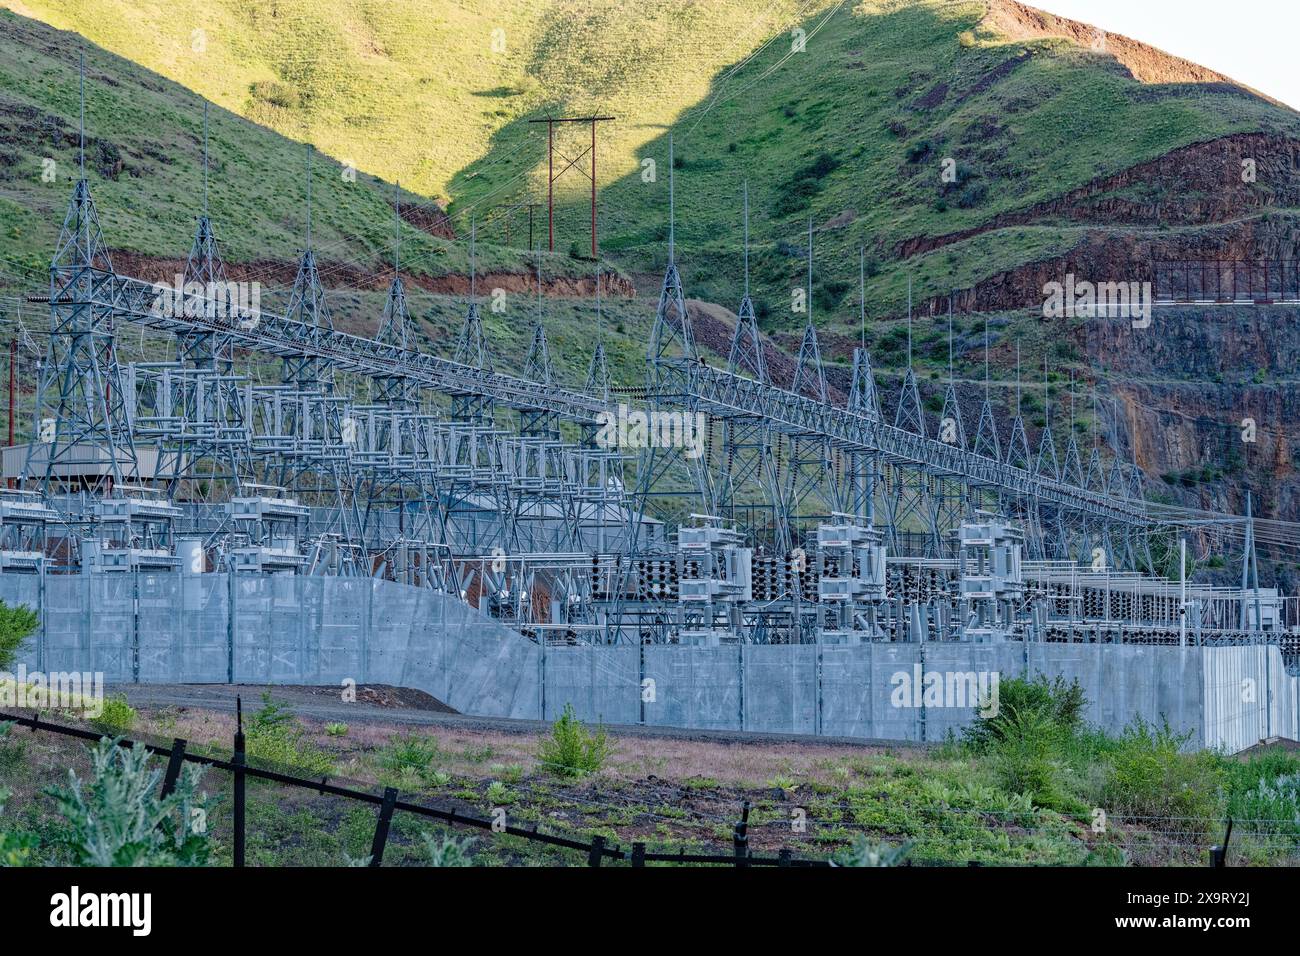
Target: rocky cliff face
[(1209, 396), (1210, 400)]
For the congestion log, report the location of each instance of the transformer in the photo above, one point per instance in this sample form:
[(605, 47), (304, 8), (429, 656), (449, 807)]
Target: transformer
[(271, 525), (24, 518), (851, 562), (132, 531), (712, 567), (989, 550)]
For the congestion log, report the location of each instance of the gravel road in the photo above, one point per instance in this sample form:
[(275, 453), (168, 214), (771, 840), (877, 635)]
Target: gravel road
[(395, 705)]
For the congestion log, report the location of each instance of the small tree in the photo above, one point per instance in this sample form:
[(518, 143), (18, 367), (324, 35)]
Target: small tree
[(16, 625), (276, 740), (572, 751)]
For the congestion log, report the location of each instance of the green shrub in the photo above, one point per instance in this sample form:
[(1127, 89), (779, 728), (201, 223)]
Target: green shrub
[(16, 847), (1027, 754), (408, 753), (437, 778), (118, 819), (1273, 806), (499, 794), (1055, 701), (272, 715), (866, 852), (336, 730), (447, 851), (117, 717), (571, 751), (16, 625), (276, 741), (1265, 788), (1151, 776)]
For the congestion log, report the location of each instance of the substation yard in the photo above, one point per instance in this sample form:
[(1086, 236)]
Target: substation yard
[(673, 790)]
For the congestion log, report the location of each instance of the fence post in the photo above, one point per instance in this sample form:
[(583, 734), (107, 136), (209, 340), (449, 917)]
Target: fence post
[(1219, 853), (381, 827), (638, 854), (596, 851), (239, 760), (740, 839), (230, 624), (135, 626), (174, 763)]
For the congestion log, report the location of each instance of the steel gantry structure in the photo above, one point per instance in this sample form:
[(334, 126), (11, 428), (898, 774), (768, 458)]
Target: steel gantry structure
[(796, 515)]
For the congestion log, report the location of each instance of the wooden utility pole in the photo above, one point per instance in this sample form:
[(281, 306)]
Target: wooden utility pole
[(552, 175), (509, 210)]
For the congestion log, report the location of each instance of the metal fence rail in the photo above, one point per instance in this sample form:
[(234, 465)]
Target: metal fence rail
[(596, 850)]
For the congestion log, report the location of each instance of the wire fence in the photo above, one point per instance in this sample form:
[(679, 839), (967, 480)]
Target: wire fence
[(597, 849)]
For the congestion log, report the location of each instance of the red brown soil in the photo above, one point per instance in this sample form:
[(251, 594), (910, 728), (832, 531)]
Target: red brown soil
[(342, 275), (1144, 63)]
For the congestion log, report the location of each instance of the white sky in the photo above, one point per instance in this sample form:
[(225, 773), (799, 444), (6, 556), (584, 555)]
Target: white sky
[(1252, 41)]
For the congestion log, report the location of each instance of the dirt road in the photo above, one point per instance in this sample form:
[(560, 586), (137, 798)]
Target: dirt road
[(382, 704)]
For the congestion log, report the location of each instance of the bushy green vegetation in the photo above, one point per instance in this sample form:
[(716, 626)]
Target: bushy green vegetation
[(410, 751), (118, 818), (1266, 790), (16, 625), (1147, 776), (865, 852), (1056, 703), (447, 850), (15, 847), (117, 717), (1151, 774), (1085, 798), (276, 740), (879, 94), (571, 750)]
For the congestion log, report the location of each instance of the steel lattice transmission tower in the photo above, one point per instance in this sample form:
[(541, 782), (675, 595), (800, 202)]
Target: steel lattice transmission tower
[(749, 469), (471, 348), (396, 328), (82, 417), (307, 305), (810, 483), (210, 392)]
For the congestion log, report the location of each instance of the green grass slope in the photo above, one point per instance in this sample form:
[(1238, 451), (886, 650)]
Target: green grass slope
[(144, 161), (851, 126)]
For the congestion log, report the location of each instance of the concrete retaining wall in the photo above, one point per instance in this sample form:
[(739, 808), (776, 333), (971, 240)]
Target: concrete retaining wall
[(218, 628)]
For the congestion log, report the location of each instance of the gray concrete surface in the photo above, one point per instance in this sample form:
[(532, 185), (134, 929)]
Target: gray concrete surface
[(258, 629)]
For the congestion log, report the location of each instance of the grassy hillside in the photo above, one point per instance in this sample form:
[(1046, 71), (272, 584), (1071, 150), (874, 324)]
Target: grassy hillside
[(852, 129), (144, 160), (1068, 148), (418, 91)]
